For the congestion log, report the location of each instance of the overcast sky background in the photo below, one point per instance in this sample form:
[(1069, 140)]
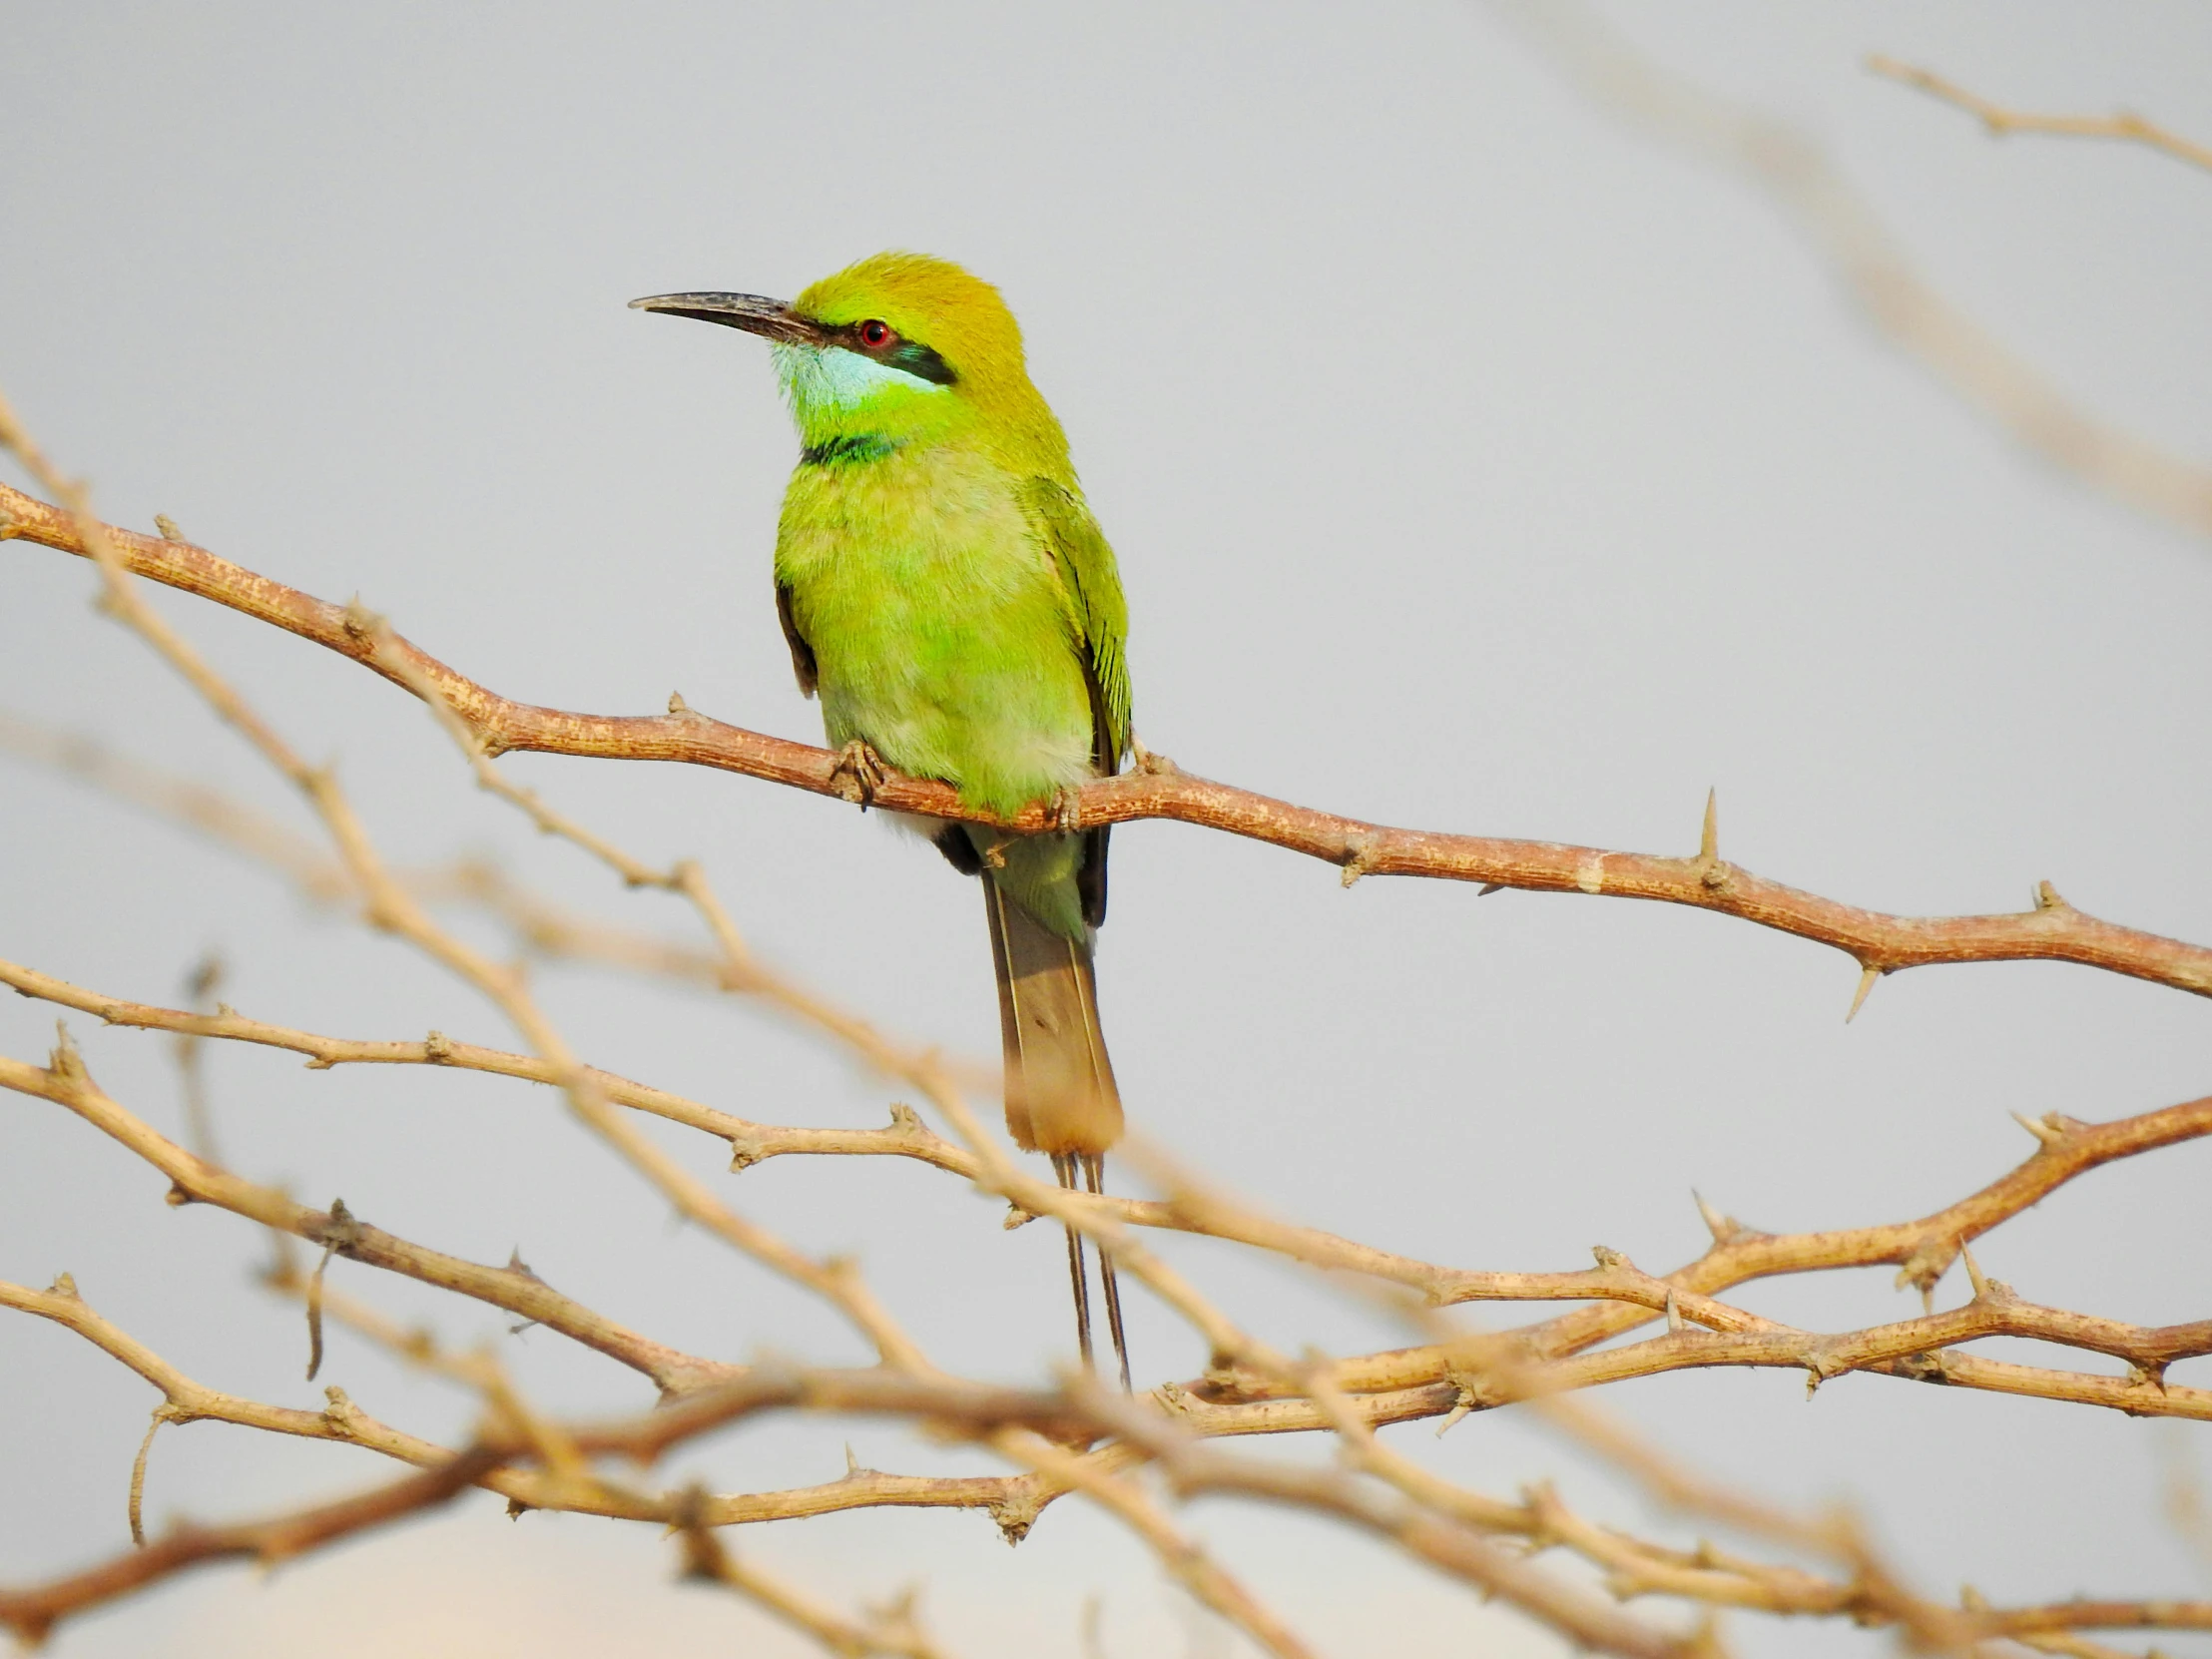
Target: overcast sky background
[(1472, 463)]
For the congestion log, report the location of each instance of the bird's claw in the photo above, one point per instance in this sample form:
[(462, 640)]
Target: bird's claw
[(860, 773), (1067, 810)]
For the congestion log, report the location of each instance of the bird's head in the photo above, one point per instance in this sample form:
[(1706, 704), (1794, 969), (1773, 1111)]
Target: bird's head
[(900, 348)]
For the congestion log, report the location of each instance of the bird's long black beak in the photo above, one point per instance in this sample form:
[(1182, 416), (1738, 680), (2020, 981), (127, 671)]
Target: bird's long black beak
[(754, 313)]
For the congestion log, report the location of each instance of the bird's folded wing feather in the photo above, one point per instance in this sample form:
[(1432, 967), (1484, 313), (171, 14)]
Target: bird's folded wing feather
[(1098, 616), (803, 654)]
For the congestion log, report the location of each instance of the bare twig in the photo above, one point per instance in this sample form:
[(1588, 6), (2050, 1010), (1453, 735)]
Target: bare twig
[(66, 1082), (1198, 1572), (749, 1143), (892, 1630), (32, 1613), (191, 1066), (2000, 121)]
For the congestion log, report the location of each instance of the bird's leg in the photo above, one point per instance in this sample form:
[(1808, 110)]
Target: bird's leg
[(1066, 808), (1063, 1166), (1094, 1176), (860, 772)]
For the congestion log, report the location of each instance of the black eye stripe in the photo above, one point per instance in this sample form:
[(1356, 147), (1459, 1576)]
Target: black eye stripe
[(911, 355), (919, 360)]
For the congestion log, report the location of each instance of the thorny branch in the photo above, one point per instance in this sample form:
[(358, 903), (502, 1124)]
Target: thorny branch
[(1016, 1508), (2053, 930), (1446, 1528), (1921, 1250), (66, 1082), (390, 908), (1076, 1438)]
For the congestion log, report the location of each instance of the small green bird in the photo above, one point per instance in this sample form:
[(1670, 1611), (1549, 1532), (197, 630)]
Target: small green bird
[(944, 589)]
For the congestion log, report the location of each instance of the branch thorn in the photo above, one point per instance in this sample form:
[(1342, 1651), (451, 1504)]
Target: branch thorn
[(2046, 897), (1465, 1402), (1973, 1272), (1149, 761), (1723, 1227), (168, 527), (65, 1062), (2043, 1132), (1867, 974)]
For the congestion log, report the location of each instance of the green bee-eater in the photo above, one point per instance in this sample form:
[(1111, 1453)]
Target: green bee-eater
[(948, 594)]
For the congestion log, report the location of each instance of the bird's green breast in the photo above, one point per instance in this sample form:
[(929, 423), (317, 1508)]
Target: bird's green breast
[(941, 634)]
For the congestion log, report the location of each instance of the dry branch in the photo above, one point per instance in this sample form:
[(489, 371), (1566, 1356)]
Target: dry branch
[(1636, 1568), (31, 1613), (749, 1142), (2126, 127), (891, 1631), (390, 908), (1922, 1249), (2052, 931), (66, 1082), (1077, 1439)]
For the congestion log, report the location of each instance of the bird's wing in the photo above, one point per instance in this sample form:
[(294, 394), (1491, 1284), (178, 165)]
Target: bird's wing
[(803, 654), (1097, 612), (1098, 618)]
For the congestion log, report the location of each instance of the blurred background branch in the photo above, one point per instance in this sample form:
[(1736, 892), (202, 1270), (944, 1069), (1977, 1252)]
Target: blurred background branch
[(1797, 173), (2125, 127)]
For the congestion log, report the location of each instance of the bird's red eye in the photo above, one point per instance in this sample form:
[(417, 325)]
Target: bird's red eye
[(876, 332)]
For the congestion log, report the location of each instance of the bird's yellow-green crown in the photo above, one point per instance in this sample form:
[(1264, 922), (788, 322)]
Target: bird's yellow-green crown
[(955, 366)]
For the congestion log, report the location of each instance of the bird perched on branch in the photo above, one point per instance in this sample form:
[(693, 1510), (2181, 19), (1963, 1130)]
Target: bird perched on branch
[(948, 594)]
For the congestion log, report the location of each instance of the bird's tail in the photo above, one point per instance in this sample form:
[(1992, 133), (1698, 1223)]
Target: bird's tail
[(1060, 1093)]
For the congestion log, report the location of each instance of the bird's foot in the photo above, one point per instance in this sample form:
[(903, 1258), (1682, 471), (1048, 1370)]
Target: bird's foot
[(860, 773), (1067, 810)]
